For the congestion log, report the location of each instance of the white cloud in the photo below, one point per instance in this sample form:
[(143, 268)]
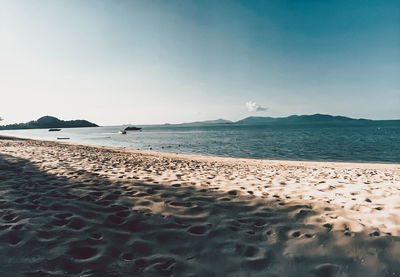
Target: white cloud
[(254, 107)]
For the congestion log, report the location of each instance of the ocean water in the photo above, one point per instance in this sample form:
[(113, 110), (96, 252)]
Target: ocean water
[(377, 143)]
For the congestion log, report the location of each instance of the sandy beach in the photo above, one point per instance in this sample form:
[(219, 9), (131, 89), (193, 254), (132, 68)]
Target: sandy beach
[(82, 210)]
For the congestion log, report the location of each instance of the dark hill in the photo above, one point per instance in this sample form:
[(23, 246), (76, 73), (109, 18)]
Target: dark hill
[(49, 122), (302, 119)]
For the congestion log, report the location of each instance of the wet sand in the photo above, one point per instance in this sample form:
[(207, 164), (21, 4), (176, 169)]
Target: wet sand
[(98, 211)]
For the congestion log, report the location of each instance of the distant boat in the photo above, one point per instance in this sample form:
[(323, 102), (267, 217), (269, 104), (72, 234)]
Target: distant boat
[(62, 138), (133, 129), (122, 132), (54, 130)]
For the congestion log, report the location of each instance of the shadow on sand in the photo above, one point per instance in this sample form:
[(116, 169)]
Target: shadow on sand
[(82, 224)]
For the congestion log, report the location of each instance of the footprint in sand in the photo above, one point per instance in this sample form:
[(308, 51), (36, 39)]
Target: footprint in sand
[(82, 253), (13, 238), (76, 223), (198, 229)]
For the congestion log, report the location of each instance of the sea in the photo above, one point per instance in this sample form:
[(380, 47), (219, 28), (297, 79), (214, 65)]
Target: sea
[(379, 142)]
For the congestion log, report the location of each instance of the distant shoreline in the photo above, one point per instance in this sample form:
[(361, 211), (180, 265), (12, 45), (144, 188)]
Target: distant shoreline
[(317, 119)]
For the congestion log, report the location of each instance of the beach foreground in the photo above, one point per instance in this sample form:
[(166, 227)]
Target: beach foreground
[(95, 211)]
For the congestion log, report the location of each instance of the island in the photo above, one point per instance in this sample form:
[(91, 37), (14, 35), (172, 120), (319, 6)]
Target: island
[(46, 122)]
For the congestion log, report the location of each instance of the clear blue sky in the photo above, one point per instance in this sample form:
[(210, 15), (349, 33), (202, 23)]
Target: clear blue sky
[(115, 62)]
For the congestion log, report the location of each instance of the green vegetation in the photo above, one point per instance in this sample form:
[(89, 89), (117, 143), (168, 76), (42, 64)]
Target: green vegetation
[(48, 122)]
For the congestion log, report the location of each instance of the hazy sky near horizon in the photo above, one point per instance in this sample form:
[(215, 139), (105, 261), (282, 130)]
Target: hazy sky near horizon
[(115, 62)]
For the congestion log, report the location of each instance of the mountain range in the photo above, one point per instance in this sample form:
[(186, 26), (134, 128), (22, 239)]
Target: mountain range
[(302, 119), (289, 120)]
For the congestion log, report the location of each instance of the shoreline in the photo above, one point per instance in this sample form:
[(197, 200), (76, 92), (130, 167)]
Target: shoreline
[(90, 210), (215, 157)]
